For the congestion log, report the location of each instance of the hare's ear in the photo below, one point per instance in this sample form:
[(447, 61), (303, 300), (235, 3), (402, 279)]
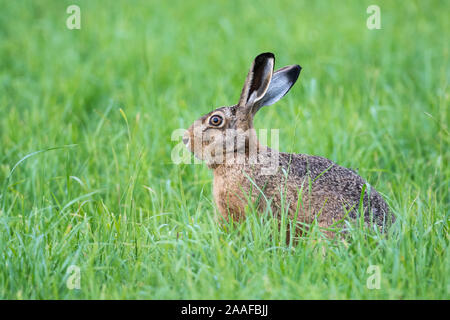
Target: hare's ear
[(282, 81), (258, 81)]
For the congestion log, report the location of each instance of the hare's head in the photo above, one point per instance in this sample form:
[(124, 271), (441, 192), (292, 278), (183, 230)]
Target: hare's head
[(230, 129)]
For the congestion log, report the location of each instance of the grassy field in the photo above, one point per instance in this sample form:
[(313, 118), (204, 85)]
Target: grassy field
[(86, 176)]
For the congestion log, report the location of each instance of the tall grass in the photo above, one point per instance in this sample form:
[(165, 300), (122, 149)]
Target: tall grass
[(109, 200)]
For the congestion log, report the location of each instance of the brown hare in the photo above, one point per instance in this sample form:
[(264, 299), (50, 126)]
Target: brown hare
[(310, 187)]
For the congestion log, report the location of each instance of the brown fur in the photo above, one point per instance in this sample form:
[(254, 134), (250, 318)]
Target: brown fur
[(310, 187)]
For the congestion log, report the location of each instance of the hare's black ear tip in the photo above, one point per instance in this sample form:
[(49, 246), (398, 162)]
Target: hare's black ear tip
[(265, 56), (295, 72)]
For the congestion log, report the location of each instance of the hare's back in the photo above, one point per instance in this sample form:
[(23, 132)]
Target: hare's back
[(326, 177)]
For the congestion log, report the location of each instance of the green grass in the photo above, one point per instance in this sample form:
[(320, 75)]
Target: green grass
[(109, 199)]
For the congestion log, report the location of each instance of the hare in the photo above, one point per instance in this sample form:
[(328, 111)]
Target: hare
[(310, 187)]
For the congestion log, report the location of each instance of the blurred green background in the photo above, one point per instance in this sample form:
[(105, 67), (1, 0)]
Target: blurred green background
[(111, 201)]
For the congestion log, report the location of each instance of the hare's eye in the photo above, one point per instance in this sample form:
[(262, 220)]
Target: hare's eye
[(215, 120)]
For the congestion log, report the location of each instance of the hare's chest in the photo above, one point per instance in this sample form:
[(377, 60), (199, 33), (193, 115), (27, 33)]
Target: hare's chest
[(229, 194)]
